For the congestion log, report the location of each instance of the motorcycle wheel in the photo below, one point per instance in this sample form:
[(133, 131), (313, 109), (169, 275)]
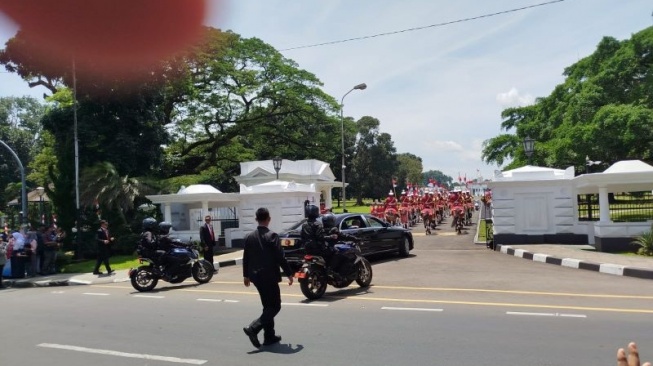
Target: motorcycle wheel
[(364, 278), (144, 280), (202, 271), (314, 285)]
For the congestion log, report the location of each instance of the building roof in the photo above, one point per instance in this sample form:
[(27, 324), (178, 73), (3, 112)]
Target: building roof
[(529, 173), (298, 171), (622, 176), (198, 188)]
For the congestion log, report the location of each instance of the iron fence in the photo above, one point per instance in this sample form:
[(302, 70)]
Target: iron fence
[(624, 207)]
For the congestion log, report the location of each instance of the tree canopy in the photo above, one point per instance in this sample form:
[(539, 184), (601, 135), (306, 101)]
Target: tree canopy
[(602, 111)]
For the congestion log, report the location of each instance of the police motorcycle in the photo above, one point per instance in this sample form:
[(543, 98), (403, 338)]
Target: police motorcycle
[(314, 274), (174, 265)]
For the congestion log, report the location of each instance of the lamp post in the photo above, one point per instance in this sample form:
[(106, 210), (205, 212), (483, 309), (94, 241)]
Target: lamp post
[(362, 86), (588, 197), (40, 191), (276, 162), (23, 194), (529, 147)]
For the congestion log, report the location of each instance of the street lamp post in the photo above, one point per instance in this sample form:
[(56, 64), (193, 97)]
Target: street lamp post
[(362, 86), (40, 191), (529, 147), (23, 194), (588, 197), (276, 162)]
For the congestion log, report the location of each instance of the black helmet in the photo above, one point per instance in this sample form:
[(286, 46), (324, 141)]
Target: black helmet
[(149, 224), (329, 221), (164, 227), (312, 212)]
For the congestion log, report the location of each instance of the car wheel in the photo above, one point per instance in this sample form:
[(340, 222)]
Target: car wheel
[(404, 247)]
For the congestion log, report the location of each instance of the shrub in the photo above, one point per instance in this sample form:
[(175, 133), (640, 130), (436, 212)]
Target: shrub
[(645, 241)]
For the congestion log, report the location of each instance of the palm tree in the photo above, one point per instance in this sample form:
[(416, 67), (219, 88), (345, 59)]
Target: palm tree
[(104, 186)]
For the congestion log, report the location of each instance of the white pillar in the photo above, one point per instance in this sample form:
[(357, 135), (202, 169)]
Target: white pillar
[(167, 212), (205, 209), (604, 205), (328, 199)]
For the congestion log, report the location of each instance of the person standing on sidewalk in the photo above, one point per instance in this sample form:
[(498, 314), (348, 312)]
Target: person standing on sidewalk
[(104, 241), (207, 237), (262, 258), (3, 258)]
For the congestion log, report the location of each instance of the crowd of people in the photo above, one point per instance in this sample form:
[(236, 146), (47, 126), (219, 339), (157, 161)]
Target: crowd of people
[(28, 253)]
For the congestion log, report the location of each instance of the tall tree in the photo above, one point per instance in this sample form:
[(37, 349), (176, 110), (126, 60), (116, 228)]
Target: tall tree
[(409, 169), (375, 162), (20, 129), (248, 102), (602, 111)]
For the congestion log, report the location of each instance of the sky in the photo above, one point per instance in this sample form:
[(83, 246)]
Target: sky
[(438, 91)]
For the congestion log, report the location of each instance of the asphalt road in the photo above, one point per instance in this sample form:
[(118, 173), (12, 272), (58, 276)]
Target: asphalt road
[(450, 303)]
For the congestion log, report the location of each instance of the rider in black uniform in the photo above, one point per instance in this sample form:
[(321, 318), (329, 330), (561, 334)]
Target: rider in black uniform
[(170, 262), (313, 234), (335, 236)]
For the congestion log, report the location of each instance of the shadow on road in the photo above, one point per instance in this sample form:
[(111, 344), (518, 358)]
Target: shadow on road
[(280, 348)]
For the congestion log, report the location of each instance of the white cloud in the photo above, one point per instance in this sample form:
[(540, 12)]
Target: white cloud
[(514, 99)]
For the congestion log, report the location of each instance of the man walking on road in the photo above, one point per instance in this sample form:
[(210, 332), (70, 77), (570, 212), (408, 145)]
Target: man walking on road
[(207, 237), (104, 241), (262, 257)]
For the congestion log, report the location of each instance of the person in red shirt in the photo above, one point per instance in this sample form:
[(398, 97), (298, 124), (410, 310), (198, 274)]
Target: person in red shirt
[(390, 208)]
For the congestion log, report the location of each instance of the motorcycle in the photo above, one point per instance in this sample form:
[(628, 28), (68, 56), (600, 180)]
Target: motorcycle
[(146, 277), (314, 275), (458, 219)]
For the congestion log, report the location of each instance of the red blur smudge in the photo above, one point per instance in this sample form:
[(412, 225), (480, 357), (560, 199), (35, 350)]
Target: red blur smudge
[(109, 36)]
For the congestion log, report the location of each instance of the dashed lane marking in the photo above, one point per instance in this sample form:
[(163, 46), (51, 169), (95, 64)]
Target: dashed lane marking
[(547, 314), (210, 300), (95, 294), (150, 296), (122, 354), (411, 309), (303, 304)]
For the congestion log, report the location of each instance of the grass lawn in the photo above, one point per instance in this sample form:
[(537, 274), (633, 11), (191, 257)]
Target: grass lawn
[(481, 231), (117, 262), (351, 207)]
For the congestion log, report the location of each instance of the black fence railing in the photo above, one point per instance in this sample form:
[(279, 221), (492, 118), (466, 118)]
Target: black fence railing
[(624, 207), (227, 224)]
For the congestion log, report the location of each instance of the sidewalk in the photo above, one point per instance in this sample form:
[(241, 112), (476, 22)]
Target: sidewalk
[(224, 258), (583, 257)]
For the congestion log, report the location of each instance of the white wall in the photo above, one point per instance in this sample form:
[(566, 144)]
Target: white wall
[(533, 208)]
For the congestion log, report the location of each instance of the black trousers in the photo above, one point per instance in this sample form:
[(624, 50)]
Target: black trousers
[(208, 255), (102, 258), (268, 290)]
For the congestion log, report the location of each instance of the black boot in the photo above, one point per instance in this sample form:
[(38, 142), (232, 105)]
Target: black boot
[(269, 336), (252, 332)]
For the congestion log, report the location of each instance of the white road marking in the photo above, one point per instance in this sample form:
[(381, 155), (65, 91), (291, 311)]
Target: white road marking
[(95, 294), (547, 314), (123, 354), (302, 304), (410, 309), (150, 296), (210, 300), (57, 292), (231, 301)]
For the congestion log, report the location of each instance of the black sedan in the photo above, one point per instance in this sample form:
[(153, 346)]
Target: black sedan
[(376, 236)]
